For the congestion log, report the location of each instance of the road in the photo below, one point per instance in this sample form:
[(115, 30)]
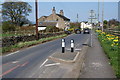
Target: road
[(25, 63)]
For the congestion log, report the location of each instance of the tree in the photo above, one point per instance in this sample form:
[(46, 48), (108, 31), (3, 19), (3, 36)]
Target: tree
[(105, 24), (113, 22), (15, 12)]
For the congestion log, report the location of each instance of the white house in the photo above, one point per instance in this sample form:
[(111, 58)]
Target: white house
[(86, 25)]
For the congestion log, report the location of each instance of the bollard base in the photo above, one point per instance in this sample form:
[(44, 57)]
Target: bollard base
[(72, 49), (63, 49)]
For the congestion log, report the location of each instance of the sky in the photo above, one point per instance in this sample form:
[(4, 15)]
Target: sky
[(71, 9)]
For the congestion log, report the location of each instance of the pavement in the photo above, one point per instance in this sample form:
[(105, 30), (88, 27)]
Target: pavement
[(30, 62), (96, 64)]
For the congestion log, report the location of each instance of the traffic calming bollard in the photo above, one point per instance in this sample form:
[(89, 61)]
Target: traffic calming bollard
[(63, 45), (72, 45)]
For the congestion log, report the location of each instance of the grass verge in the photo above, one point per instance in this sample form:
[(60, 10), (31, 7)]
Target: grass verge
[(21, 45), (111, 49)]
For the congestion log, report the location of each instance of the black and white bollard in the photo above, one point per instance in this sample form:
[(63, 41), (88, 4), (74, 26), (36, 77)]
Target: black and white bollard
[(63, 45), (72, 45)]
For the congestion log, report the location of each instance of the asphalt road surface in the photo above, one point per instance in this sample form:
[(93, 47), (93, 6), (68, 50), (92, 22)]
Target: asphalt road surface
[(25, 63)]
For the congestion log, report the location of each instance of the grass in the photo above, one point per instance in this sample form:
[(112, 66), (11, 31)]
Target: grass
[(7, 35), (112, 55), (29, 43)]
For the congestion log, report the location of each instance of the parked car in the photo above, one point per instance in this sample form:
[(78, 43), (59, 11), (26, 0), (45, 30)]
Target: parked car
[(77, 31), (86, 31), (67, 32)]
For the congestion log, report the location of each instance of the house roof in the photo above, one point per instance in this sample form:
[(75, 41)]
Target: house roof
[(65, 18), (47, 24), (45, 16)]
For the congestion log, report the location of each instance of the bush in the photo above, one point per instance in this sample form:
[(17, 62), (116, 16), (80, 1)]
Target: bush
[(7, 26), (52, 29)]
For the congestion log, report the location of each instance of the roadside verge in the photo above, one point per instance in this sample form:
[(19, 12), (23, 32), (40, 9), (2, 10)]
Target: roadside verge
[(22, 45)]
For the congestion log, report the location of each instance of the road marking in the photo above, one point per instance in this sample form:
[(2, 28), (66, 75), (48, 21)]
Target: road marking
[(77, 49), (52, 64), (12, 53), (4, 64), (15, 62), (68, 49), (24, 64), (9, 70), (43, 63)]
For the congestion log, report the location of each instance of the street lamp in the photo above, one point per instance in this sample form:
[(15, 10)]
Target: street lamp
[(36, 10)]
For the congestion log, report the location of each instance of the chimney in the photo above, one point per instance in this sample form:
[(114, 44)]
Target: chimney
[(53, 10), (61, 12)]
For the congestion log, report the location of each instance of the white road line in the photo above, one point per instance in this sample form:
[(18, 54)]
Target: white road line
[(43, 63), (77, 49), (15, 62), (52, 64), (12, 53), (68, 49)]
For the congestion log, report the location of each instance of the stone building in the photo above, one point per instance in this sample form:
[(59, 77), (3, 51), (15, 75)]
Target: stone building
[(60, 20)]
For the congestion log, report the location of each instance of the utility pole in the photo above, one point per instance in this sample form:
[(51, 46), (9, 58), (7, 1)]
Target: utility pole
[(36, 10), (77, 18), (102, 15), (98, 11)]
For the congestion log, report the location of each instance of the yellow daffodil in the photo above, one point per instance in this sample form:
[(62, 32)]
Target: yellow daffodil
[(116, 40)]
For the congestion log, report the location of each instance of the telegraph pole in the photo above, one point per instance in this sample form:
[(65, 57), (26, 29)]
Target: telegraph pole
[(102, 15), (36, 10), (77, 18), (98, 11)]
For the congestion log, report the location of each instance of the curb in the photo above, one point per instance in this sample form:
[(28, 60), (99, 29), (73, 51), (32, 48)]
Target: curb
[(64, 61), (83, 51), (77, 67)]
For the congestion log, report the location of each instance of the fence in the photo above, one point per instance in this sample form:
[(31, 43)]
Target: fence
[(8, 41), (113, 31)]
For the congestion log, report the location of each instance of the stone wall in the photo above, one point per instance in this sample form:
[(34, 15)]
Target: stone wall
[(8, 41)]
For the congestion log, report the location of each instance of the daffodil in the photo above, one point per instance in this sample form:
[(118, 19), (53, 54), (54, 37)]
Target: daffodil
[(116, 40)]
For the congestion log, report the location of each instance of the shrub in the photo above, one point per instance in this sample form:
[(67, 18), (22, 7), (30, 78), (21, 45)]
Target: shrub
[(7, 26), (52, 29)]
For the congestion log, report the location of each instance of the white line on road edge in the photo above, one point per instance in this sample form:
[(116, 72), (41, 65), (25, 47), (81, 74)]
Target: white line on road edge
[(43, 63), (12, 53), (52, 64)]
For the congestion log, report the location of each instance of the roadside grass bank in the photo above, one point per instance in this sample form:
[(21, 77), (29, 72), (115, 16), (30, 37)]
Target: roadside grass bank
[(21, 45), (110, 44)]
